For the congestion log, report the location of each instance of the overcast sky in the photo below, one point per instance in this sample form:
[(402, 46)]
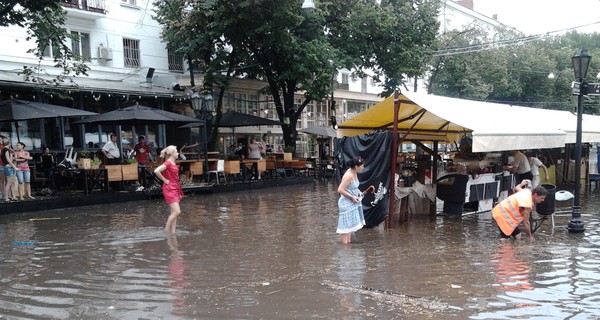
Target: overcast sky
[(542, 16)]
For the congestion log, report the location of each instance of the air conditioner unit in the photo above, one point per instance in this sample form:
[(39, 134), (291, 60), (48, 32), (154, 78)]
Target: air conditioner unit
[(105, 53)]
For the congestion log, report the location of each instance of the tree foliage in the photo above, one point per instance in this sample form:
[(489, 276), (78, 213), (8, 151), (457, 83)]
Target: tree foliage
[(515, 74), (299, 51), (44, 21)]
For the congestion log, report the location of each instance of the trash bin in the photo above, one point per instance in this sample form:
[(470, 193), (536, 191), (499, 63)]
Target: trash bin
[(546, 207)]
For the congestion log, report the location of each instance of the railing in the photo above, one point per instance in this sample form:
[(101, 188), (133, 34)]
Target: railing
[(87, 5)]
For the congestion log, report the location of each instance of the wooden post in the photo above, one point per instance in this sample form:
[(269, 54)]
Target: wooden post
[(393, 160)]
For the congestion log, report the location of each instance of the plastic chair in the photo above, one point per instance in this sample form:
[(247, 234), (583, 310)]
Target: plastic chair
[(220, 169)]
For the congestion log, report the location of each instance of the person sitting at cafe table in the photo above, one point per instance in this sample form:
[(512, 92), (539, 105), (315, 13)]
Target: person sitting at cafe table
[(240, 151), (255, 151), (48, 163), (111, 150)]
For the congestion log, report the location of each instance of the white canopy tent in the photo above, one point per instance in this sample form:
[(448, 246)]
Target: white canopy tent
[(493, 126)]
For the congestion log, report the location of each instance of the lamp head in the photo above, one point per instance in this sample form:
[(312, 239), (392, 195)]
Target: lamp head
[(581, 62), (308, 5)]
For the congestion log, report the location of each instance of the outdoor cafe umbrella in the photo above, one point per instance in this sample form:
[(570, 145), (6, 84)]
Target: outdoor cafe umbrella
[(137, 115), (233, 119), (20, 110), (320, 131)]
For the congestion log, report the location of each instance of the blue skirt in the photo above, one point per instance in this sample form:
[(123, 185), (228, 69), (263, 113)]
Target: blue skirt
[(351, 216)]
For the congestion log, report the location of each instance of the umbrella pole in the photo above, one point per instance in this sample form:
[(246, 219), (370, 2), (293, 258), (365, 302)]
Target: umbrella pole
[(206, 151), (16, 123)]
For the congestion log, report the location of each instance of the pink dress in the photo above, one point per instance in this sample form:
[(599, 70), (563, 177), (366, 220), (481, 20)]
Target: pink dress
[(172, 191)]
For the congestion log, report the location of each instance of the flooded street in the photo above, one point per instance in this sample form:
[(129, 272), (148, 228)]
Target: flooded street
[(274, 254)]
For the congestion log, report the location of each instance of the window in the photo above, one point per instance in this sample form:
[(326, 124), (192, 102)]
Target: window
[(50, 51), (363, 84), (131, 53), (131, 2), (175, 61), (81, 47), (345, 77)]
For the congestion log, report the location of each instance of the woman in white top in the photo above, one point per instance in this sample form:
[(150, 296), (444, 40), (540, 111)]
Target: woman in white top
[(255, 151)]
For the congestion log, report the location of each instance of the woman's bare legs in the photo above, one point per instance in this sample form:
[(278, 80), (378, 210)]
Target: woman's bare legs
[(346, 237), (172, 220)]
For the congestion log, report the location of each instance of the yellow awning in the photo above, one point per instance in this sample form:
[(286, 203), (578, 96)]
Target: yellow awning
[(493, 126)]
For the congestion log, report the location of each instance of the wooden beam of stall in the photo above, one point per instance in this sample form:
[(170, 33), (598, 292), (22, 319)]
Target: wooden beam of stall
[(424, 147), (393, 160)]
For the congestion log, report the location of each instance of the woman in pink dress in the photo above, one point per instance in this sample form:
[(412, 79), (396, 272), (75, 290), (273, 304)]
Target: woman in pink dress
[(168, 173)]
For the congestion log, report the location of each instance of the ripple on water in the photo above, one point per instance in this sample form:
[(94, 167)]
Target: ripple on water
[(248, 254)]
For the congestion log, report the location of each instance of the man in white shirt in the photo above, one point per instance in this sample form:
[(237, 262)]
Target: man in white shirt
[(520, 167), (111, 150)]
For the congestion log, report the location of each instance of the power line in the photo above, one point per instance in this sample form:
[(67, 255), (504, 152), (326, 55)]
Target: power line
[(502, 43)]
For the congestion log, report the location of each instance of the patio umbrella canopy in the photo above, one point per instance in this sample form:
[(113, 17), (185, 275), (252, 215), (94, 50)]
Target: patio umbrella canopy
[(320, 131), (18, 110), (232, 119), (21, 110), (136, 115)]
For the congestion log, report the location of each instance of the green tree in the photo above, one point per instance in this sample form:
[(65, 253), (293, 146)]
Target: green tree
[(299, 51), (189, 29), (512, 68), (44, 21)]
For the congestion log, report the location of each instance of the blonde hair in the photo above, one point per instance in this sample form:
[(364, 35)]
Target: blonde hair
[(164, 153)]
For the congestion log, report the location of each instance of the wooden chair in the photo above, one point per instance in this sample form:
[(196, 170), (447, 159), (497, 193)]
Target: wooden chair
[(271, 167), (196, 169), (299, 167)]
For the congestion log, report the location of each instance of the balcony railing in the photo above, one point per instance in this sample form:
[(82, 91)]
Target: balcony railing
[(98, 6)]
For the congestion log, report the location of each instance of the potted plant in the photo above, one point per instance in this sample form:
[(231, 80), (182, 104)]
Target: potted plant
[(288, 153), (95, 163), (83, 154)]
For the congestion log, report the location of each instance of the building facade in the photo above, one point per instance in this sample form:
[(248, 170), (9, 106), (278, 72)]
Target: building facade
[(130, 64)]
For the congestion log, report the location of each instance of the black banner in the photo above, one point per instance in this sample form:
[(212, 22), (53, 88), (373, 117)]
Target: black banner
[(375, 149)]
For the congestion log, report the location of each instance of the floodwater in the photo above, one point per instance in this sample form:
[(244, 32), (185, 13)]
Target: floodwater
[(274, 254)]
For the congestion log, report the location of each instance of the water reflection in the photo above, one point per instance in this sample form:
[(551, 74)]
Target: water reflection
[(177, 272), (274, 254), (351, 270), (512, 271)]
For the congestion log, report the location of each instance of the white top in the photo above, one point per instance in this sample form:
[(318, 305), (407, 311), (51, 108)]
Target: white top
[(111, 148), (535, 164), (521, 163), (255, 150)]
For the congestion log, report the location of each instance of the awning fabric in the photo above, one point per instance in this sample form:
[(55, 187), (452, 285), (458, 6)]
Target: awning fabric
[(493, 126)]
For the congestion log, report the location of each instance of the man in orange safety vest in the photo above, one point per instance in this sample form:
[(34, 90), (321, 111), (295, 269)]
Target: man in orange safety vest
[(517, 208)]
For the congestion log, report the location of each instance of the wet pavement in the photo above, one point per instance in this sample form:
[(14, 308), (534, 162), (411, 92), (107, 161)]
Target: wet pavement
[(273, 254)]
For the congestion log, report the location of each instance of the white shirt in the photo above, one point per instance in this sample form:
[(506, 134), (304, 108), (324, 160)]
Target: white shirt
[(521, 163), (112, 150), (535, 164)]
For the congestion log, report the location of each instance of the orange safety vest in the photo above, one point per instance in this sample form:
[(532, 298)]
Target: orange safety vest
[(507, 213)]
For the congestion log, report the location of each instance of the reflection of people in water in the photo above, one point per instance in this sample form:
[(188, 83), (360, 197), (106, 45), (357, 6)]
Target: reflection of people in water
[(351, 270), (512, 272), (177, 272)]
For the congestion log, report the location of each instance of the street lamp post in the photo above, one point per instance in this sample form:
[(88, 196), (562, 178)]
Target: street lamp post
[(581, 63), (203, 107)]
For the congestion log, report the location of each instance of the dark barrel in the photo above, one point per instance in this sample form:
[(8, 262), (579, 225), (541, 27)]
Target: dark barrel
[(547, 206)]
